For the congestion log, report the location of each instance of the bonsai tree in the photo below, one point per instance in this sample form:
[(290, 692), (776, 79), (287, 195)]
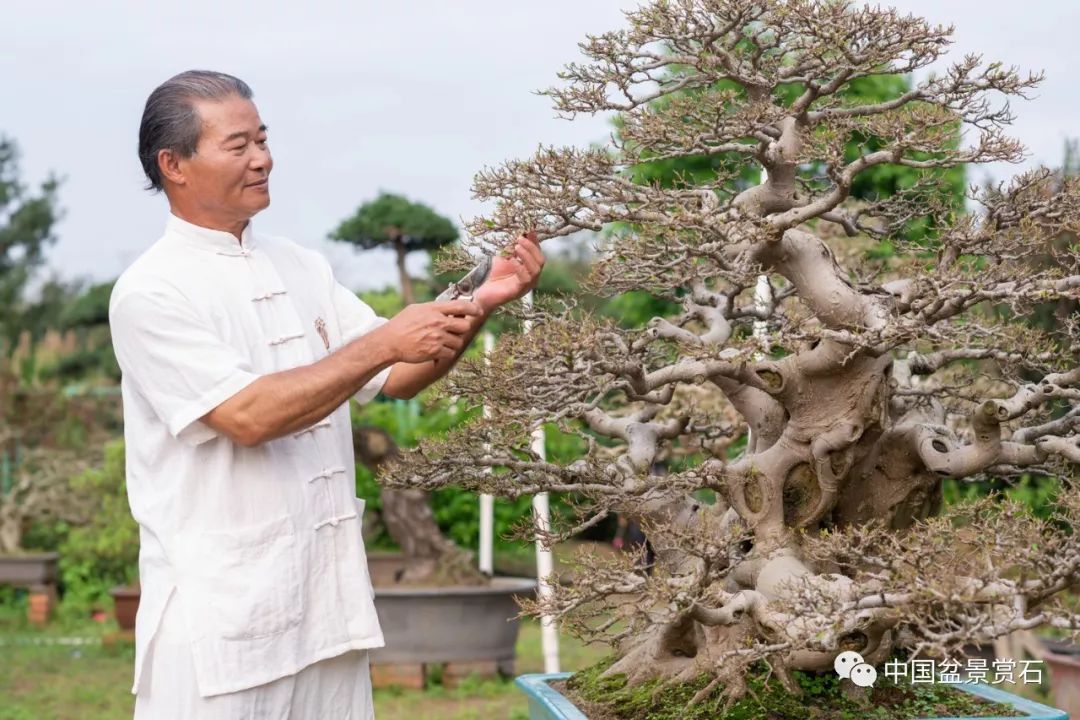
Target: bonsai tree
[(430, 556), (36, 461), (393, 221), (38, 489), (806, 515)]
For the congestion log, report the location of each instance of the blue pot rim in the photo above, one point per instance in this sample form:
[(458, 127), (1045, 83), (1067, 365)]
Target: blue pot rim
[(537, 686)]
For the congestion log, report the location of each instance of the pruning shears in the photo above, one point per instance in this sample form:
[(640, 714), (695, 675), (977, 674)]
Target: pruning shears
[(466, 287)]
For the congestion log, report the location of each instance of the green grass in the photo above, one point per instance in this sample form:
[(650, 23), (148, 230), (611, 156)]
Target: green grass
[(91, 682), (52, 682), (484, 699), (65, 683)]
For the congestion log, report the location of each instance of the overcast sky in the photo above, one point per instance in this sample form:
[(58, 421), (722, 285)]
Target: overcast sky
[(412, 96)]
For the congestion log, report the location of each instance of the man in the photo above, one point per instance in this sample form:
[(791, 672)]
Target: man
[(239, 354)]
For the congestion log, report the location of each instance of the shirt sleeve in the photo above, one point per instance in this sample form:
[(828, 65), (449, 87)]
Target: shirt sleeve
[(356, 318), (176, 361)]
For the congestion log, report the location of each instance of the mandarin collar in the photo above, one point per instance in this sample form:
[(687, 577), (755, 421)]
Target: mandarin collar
[(218, 241)]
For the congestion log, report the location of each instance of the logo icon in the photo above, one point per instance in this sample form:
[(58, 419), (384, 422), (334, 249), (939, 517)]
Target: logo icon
[(850, 665), (320, 327), (864, 675)]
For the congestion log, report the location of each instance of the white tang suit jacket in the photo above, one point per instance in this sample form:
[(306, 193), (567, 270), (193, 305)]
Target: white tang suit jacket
[(261, 545)]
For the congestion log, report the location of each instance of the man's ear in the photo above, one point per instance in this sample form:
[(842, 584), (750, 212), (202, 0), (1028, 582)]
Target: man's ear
[(169, 164)]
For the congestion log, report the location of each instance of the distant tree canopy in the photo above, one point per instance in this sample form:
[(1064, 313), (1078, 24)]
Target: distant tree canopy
[(43, 313), (70, 308), (394, 221), (26, 228), (87, 314), (89, 308)]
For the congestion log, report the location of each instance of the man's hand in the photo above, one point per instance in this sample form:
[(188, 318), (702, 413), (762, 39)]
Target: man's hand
[(430, 331), (513, 275)]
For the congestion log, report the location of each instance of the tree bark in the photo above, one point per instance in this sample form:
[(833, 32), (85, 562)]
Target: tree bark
[(403, 276), (430, 556)]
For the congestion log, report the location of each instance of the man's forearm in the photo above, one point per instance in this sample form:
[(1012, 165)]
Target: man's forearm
[(288, 401), (407, 379)]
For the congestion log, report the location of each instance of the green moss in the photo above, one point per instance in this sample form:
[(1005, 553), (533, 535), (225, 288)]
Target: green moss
[(610, 699)]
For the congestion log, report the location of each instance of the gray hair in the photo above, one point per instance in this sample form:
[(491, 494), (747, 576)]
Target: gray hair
[(170, 120)]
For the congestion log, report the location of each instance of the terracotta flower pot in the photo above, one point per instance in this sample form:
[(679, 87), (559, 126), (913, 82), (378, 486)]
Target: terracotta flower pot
[(126, 600), (1065, 680), (478, 626), (41, 605)]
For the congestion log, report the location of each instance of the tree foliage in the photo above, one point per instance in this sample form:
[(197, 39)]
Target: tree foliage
[(394, 221), (390, 219), (102, 552), (26, 229)]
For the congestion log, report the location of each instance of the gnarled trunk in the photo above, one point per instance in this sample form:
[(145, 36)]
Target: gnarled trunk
[(430, 556), (400, 253)]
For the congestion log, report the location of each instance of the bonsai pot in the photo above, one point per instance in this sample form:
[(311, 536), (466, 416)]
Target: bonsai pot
[(29, 569), (475, 622), (126, 601), (547, 703)]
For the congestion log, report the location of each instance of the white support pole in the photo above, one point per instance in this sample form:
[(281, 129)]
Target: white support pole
[(545, 566), (762, 297), (487, 502), (487, 532), (762, 291)]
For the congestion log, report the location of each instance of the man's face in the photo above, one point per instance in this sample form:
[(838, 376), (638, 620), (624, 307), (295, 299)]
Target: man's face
[(228, 176)]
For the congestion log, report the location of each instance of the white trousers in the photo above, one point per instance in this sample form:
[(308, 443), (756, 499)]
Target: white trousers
[(335, 689)]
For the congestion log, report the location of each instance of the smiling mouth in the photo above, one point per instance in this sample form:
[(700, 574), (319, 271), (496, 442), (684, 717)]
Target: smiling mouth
[(261, 183)]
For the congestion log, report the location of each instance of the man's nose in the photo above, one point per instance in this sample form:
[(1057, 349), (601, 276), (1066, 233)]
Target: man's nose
[(262, 160)]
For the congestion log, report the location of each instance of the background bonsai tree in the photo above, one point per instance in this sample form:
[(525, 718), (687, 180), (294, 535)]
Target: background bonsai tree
[(42, 445), (430, 556), (393, 221), (805, 517)]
